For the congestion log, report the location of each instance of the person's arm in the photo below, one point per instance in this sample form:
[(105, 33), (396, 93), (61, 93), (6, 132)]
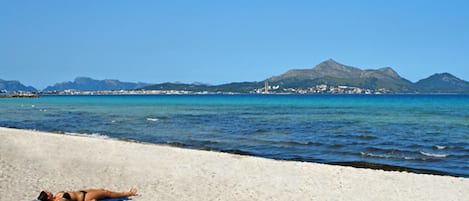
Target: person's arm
[(59, 196), (96, 194)]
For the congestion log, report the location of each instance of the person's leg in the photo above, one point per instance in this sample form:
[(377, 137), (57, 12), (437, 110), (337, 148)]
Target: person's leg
[(96, 194)]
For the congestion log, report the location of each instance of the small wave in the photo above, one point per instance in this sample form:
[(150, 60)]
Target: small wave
[(299, 143), (94, 135), (364, 154), (261, 131), (439, 147), (390, 150), (434, 155), (336, 145), (376, 155), (367, 137), (152, 119)]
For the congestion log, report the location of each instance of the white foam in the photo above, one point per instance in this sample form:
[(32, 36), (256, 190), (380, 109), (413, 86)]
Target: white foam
[(376, 155), (439, 147), (94, 135), (152, 119), (434, 155)]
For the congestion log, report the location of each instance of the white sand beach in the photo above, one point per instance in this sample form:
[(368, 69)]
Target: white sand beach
[(31, 161)]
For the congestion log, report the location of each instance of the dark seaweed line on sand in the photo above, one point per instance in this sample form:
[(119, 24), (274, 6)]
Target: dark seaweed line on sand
[(377, 166), (355, 164)]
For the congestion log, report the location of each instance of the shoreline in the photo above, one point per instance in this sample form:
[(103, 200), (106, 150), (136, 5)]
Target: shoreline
[(355, 164), (33, 161)]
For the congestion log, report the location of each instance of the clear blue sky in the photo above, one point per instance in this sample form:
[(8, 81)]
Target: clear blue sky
[(45, 42)]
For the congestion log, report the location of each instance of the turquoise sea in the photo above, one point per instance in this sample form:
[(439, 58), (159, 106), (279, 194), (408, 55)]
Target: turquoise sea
[(427, 133)]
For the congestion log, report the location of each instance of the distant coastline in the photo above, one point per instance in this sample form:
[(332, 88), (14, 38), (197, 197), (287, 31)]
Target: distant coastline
[(19, 95), (183, 92), (328, 77)]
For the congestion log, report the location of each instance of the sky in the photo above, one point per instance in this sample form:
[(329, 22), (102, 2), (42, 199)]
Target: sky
[(46, 42)]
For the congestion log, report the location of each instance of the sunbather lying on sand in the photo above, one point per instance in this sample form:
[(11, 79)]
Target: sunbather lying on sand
[(85, 195)]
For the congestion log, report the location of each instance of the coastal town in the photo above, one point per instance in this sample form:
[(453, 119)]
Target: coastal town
[(319, 89), (267, 89)]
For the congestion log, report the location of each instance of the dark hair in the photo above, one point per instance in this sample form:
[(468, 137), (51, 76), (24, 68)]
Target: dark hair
[(42, 196)]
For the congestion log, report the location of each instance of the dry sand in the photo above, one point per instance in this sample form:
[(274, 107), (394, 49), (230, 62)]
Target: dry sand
[(32, 161)]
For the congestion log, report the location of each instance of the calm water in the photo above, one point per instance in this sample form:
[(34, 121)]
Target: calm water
[(428, 132)]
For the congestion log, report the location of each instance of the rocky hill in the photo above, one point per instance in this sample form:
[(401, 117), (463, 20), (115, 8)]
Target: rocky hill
[(88, 84), (442, 83), (333, 73), (14, 86)]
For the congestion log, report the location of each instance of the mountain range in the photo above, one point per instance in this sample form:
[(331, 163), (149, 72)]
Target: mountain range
[(88, 84), (14, 85), (328, 72), (332, 73)]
